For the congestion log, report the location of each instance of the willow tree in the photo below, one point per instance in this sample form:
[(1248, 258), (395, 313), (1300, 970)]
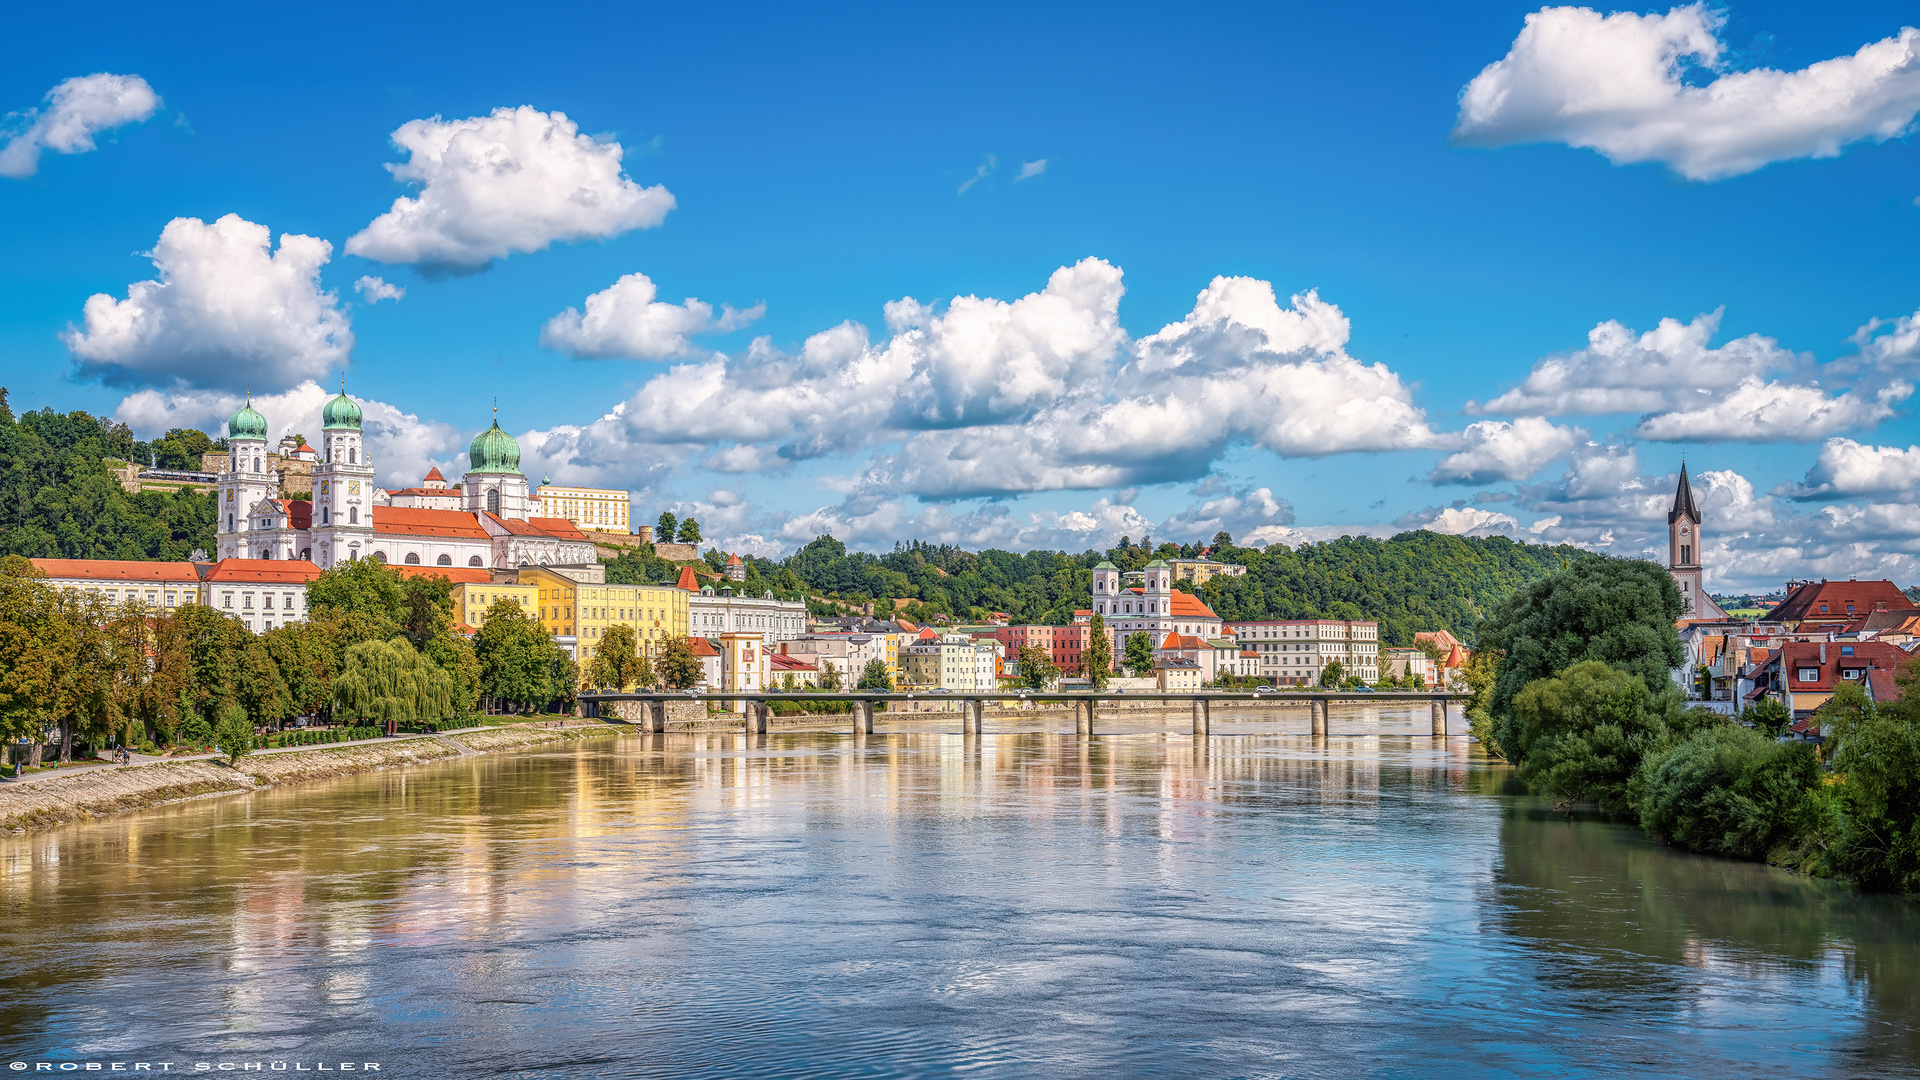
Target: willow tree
[(386, 681)]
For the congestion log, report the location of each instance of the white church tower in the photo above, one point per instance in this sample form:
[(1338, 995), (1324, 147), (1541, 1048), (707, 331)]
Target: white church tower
[(1158, 592), (1106, 590), (248, 481), (342, 528)]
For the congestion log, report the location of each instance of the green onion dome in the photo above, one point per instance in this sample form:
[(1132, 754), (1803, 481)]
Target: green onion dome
[(493, 451), (341, 412), (247, 424)]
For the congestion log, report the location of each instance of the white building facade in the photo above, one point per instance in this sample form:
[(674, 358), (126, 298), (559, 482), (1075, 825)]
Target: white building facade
[(1297, 651), (722, 611)]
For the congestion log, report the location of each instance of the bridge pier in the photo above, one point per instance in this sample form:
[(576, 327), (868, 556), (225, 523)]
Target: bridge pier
[(1083, 718), (863, 718), (1202, 718), (657, 717), (1318, 708), (973, 715), (1439, 718)]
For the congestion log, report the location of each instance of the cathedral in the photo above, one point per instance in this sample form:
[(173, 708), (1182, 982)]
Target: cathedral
[(490, 520), (1684, 550)]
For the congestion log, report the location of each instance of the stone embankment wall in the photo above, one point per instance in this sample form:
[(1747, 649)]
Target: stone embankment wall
[(100, 792)]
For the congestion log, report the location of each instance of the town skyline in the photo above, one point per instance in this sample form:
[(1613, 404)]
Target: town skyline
[(1289, 360)]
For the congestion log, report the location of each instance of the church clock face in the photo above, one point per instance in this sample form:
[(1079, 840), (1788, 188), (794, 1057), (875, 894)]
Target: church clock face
[(324, 487), (353, 487), (1683, 530)]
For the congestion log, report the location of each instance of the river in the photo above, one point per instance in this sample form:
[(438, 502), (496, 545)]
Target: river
[(1026, 904)]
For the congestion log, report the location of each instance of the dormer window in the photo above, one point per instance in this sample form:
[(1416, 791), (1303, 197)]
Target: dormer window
[(1808, 674)]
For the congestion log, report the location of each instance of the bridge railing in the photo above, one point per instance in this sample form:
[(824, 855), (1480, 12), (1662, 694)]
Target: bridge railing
[(973, 703)]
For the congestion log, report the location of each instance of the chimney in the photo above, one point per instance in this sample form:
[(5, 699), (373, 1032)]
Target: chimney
[(1823, 653)]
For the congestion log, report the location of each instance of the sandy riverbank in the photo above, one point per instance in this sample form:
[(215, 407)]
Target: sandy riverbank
[(101, 792)]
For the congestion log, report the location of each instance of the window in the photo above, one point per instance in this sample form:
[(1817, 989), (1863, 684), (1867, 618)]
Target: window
[(323, 515), (353, 515), (353, 457), (226, 600), (493, 501), (1686, 554), (1808, 674), (229, 522)]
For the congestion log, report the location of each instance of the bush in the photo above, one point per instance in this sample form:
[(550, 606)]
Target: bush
[(1580, 735), (1727, 791), (236, 734)]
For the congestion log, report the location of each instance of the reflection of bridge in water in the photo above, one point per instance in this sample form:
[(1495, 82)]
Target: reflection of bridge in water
[(756, 708)]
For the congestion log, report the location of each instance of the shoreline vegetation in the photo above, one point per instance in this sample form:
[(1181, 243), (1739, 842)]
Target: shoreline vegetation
[(1571, 685)]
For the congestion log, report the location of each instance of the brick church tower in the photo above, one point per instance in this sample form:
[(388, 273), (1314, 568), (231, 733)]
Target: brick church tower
[(1684, 546)]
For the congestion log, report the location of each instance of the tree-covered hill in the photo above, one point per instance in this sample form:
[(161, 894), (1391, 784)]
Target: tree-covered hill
[(58, 498), (1415, 581)]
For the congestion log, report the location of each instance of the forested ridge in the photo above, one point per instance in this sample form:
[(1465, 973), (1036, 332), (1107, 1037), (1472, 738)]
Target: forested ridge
[(1415, 581), (60, 499)]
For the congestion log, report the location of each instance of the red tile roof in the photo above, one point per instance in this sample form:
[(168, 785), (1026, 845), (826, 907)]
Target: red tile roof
[(120, 570), (783, 662), (459, 575), (413, 521), (1185, 606), (733, 560), (558, 528), (427, 492), (687, 580), (703, 647), (1840, 601), (434, 474), (263, 571)]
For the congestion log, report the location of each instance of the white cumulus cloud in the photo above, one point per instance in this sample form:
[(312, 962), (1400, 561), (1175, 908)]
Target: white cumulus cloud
[(1618, 84), (76, 110), (376, 289), (226, 310), (1669, 367), (1757, 411), (626, 320), (1846, 468), (1030, 169), (514, 180), (1498, 450)]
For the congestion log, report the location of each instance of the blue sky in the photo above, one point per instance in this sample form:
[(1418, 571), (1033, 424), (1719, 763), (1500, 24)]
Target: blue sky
[(818, 164)]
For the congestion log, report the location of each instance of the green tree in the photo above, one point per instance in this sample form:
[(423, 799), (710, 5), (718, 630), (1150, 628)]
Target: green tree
[(366, 587), (617, 663), (667, 527), (1139, 657), (1618, 612), (1333, 674), (1874, 836), (1768, 716), (1037, 670), (1096, 660), (1580, 735), (388, 681), (1727, 791), (829, 675), (689, 531), (874, 677), (517, 657), (679, 669), (234, 736)]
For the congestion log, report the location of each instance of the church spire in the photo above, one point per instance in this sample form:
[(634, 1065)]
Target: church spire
[(1683, 500)]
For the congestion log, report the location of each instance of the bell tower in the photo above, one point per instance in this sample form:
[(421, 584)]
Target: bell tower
[(249, 478), (1684, 552), (342, 528)]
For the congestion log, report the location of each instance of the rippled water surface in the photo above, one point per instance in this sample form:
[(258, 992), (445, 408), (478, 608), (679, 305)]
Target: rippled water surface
[(1021, 904)]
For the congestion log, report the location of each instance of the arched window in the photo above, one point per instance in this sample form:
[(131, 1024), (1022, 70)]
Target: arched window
[(229, 522), (493, 500), (413, 559), (323, 515), (306, 554), (353, 456), (256, 465), (379, 556), (353, 515), (475, 561), (444, 560)]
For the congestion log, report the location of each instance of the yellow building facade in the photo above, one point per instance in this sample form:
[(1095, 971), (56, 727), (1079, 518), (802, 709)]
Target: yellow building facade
[(472, 599), (605, 509), (586, 610)]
